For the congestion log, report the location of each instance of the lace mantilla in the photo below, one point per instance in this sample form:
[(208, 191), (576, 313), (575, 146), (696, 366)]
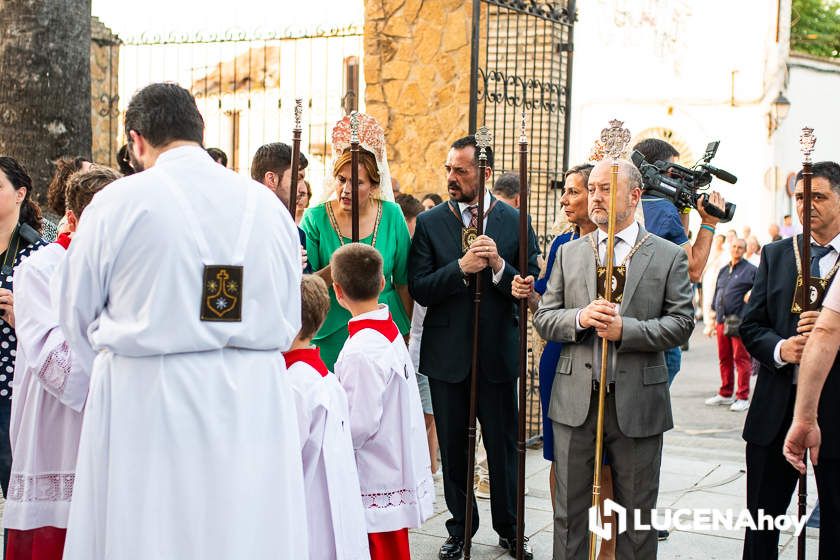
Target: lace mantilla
[(56, 368), (396, 498), (45, 487)]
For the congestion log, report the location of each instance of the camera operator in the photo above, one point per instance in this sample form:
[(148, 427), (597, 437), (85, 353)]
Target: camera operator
[(663, 219)]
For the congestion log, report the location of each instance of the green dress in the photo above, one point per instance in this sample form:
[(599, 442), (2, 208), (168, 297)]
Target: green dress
[(392, 242)]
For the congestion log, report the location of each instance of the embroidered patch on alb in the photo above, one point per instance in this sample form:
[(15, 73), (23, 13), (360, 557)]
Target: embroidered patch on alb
[(221, 294)]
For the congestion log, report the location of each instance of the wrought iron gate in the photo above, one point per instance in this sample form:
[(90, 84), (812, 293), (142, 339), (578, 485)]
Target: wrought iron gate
[(522, 57), (245, 84)]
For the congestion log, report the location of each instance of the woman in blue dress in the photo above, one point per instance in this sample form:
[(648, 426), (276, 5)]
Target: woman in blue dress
[(575, 203)]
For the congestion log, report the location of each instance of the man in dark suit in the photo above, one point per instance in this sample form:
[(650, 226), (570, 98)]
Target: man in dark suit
[(439, 278), (776, 336)]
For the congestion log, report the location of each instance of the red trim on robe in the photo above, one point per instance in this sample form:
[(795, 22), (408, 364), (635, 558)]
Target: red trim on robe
[(63, 240), (391, 545), (43, 543), (309, 356), (386, 327)]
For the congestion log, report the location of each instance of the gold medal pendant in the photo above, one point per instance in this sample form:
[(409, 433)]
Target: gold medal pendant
[(618, 280), (468, 235), (816, 293)]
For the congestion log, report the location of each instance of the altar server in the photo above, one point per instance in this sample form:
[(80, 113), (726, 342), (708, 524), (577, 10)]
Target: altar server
[(50, 389), (386, 417), (333, 499)]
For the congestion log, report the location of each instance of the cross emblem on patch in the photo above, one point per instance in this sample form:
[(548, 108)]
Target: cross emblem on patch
[(221, 294)]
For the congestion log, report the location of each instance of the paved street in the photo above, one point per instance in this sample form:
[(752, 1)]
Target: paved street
[(702, 467)]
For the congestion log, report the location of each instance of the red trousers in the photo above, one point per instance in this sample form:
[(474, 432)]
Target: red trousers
[(392, 545), (43, 543), (733, 355)]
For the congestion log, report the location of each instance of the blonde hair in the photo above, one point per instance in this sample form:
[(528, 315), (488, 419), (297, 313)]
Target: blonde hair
[(314, 305)]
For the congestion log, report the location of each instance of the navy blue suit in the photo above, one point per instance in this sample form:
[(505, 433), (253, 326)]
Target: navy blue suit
[(435, 281), (770, 479)]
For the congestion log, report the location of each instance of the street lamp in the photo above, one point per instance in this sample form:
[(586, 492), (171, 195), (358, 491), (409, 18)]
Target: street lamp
[(779, 109)]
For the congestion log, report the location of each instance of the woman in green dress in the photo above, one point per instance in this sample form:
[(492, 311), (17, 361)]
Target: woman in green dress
[(381, 225)]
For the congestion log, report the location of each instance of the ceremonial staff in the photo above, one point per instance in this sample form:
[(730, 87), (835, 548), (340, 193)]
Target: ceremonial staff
[(807, 140), (295, 157), (483, 140), (615, 139), (523, 337), (354, 176)]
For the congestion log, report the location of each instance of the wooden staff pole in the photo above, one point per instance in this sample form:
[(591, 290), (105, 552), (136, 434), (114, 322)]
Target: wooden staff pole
[(483, 140), (293, 176), (523, 338), (354, 176), (806, 141), (615, 139)]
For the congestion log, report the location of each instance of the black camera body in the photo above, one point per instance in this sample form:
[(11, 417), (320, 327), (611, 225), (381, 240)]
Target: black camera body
[(682, 185)]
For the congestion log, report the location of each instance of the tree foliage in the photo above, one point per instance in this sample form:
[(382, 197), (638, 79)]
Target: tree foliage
[(815, 27)]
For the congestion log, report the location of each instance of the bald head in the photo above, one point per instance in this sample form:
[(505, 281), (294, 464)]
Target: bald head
[(628, 193), (626, 172)]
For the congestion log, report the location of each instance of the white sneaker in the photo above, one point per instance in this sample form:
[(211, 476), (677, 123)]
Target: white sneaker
[(718, 400), (740, 405)]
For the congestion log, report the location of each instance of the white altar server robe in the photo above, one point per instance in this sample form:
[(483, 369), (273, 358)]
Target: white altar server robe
[(333, 499), (386, 423), (189, 447), (49, 393)]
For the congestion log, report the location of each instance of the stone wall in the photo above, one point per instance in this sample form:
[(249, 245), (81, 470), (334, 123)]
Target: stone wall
[(417, 70), (104, 70)]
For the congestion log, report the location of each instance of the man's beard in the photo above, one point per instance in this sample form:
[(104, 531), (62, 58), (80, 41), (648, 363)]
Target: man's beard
[(462, 195), (135, 163), (603, 217)]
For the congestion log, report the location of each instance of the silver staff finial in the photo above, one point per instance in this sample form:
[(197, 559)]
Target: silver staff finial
[(522, 138), (298, 112), (806, 143), (615, 139), (354, 127), (484, 139)]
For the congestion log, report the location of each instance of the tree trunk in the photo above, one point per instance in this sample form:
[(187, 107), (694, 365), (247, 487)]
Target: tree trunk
[(44, 83)]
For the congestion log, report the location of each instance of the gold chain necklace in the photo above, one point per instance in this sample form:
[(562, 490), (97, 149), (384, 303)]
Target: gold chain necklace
[(337, 229)]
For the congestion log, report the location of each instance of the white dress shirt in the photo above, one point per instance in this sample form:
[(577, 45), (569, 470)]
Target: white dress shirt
[(466, 217), (826, 263), (624, 242)]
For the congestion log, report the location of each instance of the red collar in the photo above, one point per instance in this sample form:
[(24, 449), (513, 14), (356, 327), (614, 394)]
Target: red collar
[(309, 356), (63, 240), (386, 327)]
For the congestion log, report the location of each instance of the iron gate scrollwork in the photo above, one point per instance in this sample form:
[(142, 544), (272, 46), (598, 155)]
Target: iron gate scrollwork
[(522, 58)]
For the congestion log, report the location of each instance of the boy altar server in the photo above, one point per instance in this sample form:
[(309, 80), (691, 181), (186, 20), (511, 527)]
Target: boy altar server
[(180, 292), (331, 482), (386, 417), (50, 388)]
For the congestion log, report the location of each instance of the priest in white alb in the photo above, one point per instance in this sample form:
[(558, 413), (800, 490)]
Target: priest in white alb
[(181, 290)]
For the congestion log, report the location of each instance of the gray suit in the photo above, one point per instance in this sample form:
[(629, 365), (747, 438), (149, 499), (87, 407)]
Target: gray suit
[(656, 314)]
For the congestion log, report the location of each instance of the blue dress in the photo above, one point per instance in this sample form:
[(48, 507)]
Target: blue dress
[(551, 352)]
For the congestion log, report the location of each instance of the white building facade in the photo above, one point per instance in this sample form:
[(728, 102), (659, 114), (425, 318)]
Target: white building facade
[(692, 72)]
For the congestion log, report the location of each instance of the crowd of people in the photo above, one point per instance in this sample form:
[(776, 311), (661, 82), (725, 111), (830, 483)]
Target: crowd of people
[(191, 337)]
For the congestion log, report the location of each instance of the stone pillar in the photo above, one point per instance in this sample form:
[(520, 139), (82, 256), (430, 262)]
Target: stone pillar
[(104, 112), (417, 73)]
